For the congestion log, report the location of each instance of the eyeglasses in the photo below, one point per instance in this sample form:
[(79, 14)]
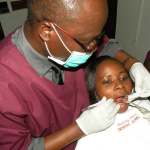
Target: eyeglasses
[(88, 48)]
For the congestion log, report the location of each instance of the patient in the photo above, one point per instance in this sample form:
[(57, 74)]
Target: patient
[(107, 77)]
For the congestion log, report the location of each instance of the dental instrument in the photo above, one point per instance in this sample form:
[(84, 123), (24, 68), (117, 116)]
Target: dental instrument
[(142, 109)]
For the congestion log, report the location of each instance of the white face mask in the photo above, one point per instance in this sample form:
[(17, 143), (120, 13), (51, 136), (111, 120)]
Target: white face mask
[(74, 60)]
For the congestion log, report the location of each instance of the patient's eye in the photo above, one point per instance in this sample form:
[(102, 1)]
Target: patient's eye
[(107, 82), (124, 78)]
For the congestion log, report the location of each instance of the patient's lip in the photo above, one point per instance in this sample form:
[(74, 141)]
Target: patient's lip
[(119, 99), (122, 105)]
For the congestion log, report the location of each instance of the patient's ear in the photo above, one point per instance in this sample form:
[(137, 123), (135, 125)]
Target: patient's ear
[(45, 30), (96, 96)]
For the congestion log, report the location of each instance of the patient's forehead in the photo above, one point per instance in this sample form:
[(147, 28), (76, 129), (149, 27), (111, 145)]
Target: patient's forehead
[(109, 64)]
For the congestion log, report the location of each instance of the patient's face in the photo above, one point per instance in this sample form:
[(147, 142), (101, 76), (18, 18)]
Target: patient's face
[(113, 82)]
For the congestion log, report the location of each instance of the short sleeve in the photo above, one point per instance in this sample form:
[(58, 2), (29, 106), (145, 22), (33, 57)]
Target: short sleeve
[(111, 48), (36, 144)]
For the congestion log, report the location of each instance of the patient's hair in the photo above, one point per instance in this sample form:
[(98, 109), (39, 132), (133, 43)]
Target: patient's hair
[(90, 77)]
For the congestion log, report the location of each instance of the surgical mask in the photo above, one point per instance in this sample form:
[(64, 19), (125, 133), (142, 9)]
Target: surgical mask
[(74, 60)]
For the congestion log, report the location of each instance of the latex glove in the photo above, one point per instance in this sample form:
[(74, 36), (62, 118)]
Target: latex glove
[(147, 116), (141, 77), (133, 97), (98, 118)]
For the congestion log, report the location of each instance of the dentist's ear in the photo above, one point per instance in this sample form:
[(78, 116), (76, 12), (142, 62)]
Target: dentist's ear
[(44, 30)]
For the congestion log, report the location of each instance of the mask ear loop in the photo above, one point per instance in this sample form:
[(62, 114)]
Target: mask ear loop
[(60, 38), (47, 49)]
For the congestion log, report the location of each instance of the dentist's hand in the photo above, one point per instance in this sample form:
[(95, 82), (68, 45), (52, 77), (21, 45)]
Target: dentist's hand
[(133, 97), (141, 77), (98, 118)]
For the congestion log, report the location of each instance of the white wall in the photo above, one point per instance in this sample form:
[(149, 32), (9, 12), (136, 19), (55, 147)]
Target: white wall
[(133, 27), (10, 21)]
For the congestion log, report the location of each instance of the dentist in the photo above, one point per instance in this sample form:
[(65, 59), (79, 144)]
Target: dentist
[(42, 88)]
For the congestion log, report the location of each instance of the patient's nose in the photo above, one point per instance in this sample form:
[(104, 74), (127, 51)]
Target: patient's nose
[(119, 85)]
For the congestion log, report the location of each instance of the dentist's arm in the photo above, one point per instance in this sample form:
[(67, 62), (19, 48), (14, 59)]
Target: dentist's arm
[(90, 121)]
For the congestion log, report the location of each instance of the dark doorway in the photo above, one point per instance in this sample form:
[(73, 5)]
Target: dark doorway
[(110, 27), (1, 32)]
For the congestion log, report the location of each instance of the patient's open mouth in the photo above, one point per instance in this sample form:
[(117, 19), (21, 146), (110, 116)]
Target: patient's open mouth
[(118, 101)]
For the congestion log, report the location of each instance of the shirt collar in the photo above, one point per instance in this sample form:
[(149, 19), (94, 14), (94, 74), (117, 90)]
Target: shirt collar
[(40, 63)]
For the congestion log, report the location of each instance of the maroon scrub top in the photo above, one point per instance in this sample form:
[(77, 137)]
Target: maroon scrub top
[(31, 106), (148, 56)]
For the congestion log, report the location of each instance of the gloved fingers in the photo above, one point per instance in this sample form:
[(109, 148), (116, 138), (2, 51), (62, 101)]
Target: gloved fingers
[(142, 85), (133, 97), (146, 94), (109, 123), (141, 78), (103, 100), (146, 84), (111, 108), (108, 103), (113, 112), (112, 120), (98, 103), (103, 105), (98, 118), (138, 89), (146, 88), (138, 84)]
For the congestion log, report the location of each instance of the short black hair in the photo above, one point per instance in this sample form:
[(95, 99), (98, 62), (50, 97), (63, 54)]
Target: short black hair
[(58, 11), (90, 76)]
